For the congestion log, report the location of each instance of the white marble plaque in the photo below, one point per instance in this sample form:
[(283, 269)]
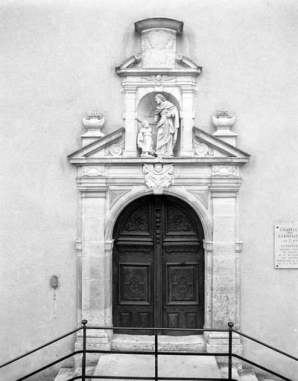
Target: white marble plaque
[(286, 246)]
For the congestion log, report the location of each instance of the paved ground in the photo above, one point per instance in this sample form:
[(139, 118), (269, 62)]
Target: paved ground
[(169, 366)]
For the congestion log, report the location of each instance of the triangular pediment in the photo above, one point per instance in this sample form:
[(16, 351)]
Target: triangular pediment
[(133, 66), (102, 147), (207, 145)]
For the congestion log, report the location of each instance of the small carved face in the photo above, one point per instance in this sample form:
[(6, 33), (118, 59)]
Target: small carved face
[(158, 168)]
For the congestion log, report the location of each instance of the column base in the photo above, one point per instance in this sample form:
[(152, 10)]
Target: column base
[(102, 341), (218, 342)]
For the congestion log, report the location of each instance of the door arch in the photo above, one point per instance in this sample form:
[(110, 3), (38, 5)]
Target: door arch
[(158, 265)]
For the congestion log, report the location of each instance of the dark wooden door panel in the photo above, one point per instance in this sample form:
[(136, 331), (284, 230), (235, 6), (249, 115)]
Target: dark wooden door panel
[(134, 284), (181, 285), (158, 266)]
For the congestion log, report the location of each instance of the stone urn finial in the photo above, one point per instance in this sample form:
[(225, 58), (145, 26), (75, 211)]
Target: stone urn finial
[(94, 122), (223, 121)]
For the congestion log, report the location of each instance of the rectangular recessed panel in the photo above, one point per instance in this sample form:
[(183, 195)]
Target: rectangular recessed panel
[(134, 284), (144, 319), (173, 320), (191, 320), (125, 318), (182, 285)]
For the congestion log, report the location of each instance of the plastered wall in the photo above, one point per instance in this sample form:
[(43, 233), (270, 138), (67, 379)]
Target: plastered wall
[(57, 63)]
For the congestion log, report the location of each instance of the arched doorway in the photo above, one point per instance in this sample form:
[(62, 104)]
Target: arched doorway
[(158, 265)]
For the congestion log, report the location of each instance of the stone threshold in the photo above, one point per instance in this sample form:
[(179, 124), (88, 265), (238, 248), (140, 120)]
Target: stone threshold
[(134, 366), (191, 343)]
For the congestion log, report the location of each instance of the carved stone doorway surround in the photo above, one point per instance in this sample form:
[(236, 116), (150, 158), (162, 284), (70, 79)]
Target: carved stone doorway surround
[(204, 172), (208, 185)]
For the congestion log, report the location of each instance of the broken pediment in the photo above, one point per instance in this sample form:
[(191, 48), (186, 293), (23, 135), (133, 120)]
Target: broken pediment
[(111, 145), (207, 149), (208, 146)]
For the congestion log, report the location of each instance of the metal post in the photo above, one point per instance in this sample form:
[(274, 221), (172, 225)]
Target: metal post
[(156, 355), (231, 325), (84, 322)]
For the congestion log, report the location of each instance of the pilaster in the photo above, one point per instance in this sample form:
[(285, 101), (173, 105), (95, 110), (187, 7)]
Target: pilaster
[(225, 183), (95, 264), (188, 121), (129, 116)]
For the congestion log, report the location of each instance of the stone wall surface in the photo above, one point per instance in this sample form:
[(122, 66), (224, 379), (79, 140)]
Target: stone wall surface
[(58, 62)]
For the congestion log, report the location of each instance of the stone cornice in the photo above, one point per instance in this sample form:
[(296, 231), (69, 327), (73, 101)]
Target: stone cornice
[(79, 161), (171, 72), (159, 22)]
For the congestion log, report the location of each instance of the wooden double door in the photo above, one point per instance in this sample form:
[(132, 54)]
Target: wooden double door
[(158, 266)]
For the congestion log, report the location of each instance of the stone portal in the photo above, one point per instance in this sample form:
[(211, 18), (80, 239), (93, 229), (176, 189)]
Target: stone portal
[(198, 184)]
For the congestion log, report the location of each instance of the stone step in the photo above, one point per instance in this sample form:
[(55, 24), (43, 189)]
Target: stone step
[(144, 366), (224, 372), (192, 343), (247, 375), (64, 374), (67, 373)]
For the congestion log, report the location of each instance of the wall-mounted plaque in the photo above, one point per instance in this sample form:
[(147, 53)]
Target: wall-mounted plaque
[(286, 246)]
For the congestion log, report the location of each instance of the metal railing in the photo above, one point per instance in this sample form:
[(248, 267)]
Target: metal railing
[(230, 355)]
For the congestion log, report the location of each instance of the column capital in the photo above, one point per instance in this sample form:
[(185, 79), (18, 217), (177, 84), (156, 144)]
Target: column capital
[(225, 187), (208, 245), (109, 246)]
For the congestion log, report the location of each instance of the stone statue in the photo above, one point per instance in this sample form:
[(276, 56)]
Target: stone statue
[(167, 118), (145, 140)]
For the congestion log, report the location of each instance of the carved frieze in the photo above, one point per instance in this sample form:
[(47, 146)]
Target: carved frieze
[(224, 170), (115, 149), (158, 175), (158, 79), (92, 171)]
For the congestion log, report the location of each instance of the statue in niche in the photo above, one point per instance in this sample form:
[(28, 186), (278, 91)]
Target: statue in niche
[(145, 140), (167, 118)]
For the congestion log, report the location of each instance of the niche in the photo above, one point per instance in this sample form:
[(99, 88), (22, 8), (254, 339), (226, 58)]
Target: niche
[(146, 111)]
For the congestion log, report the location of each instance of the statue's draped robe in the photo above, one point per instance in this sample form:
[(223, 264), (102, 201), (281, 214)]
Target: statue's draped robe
[(145, 140), (167, 128)]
